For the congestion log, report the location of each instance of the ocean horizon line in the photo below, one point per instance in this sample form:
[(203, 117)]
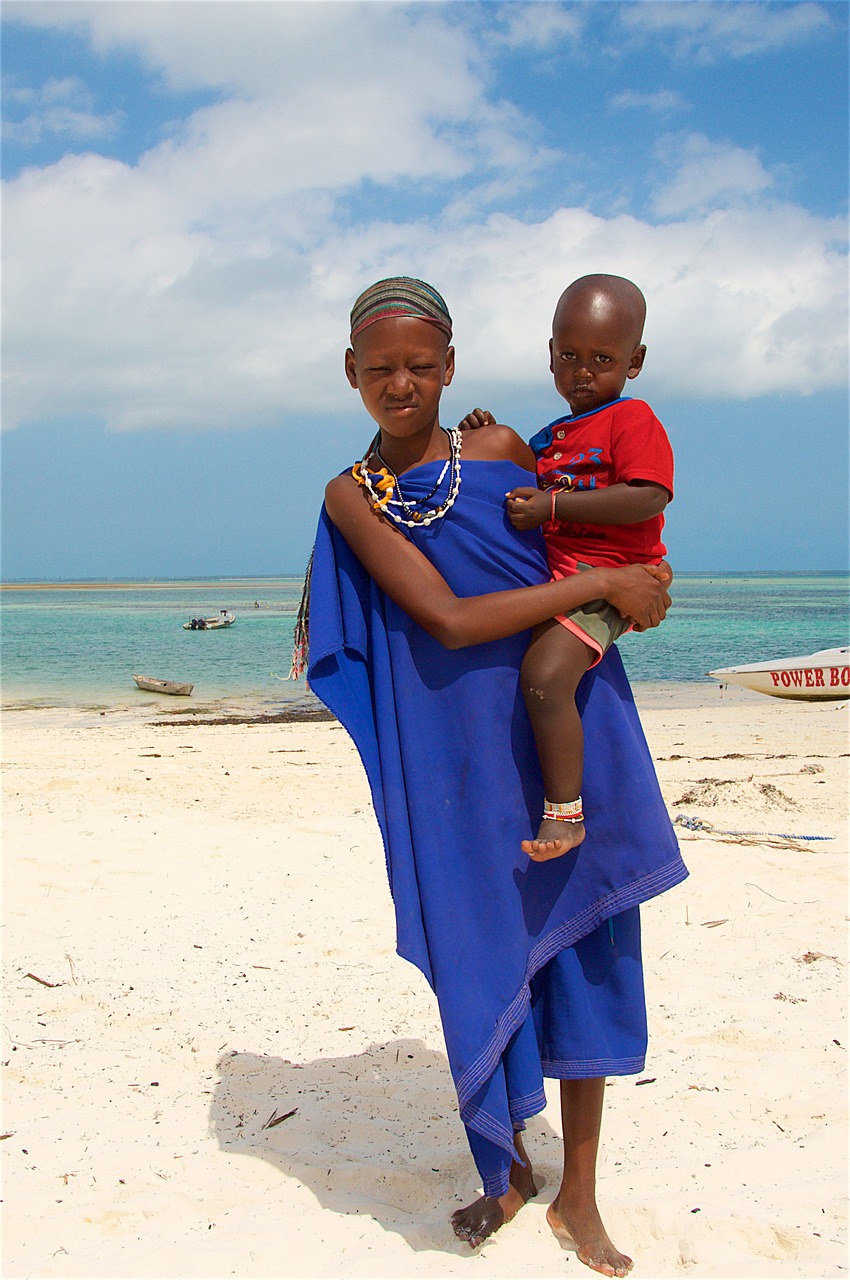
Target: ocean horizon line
[(129, 582)]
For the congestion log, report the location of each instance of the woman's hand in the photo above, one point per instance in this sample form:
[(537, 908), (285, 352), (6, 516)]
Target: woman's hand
[(528, 508), (638, 593)]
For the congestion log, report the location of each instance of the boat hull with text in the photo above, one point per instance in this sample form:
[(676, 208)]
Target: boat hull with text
[(815, 677)]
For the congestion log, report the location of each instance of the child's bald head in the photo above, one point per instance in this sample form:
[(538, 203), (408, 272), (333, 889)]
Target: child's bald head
[(596, 340), (605, 300)]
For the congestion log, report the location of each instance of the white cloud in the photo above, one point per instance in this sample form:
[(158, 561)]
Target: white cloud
[(706, 175), (536, 24), (58, 108), (703, 31), (662, 102), (118, 305)]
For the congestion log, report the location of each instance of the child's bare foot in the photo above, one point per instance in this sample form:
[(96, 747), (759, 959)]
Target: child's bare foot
[(553, 839), (581, 1229), (487, 1214)]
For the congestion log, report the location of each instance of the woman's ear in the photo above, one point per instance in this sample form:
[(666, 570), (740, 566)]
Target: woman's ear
[(351, 368), (450, 366)]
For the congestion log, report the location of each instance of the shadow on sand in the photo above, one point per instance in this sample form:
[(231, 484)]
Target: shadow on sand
[(375, 1133)]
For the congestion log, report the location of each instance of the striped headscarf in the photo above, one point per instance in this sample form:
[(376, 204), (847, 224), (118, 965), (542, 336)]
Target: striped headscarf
[(400, 296)]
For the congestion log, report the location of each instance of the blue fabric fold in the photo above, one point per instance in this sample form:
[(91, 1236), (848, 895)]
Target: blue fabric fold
[(449, 755)]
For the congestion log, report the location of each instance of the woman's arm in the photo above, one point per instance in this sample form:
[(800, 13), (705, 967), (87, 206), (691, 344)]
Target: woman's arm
[(408, 577)]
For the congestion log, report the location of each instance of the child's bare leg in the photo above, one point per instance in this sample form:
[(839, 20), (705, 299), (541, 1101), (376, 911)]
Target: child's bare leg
[(488, 1213), (553, 665), (573, 1216)]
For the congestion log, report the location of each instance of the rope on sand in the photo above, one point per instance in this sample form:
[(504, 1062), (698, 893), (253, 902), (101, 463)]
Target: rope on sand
[(697, 824)]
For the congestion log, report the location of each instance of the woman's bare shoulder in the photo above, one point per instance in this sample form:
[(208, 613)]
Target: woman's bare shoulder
[(343, 497), (497, 442), (342, 483)]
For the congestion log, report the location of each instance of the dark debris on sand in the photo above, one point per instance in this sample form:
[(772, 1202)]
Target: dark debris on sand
[(294, 715)]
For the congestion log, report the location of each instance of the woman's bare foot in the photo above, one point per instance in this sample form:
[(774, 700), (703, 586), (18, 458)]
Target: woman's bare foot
[(582, 1230), (553, 839), (487, 1214)]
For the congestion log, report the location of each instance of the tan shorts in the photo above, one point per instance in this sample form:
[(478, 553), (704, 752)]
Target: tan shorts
[(597, 623)]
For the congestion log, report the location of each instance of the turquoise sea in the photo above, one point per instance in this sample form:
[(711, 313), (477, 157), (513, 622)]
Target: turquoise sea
[(79, 646)]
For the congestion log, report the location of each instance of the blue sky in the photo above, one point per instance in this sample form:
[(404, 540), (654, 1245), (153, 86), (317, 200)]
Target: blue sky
[(195, 192)]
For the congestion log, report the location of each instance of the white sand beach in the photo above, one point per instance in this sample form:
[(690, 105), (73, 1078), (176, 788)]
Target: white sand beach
[(215, 1064)]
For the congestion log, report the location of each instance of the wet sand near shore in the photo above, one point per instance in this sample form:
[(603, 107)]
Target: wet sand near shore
[(215, 1065)]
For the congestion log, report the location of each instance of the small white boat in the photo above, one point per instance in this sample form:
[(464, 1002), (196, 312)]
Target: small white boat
[(215, 623), (815, 677), (151, 685)]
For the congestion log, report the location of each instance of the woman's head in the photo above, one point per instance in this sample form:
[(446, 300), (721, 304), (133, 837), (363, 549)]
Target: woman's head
[(400, 358), (400, 296)]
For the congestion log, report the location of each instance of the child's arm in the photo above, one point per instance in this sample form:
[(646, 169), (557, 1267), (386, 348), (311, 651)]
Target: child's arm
[(620, 504), (401, 570)]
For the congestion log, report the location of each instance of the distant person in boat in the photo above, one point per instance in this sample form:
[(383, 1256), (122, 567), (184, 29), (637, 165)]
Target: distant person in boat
[(604, 477), (421, 598)]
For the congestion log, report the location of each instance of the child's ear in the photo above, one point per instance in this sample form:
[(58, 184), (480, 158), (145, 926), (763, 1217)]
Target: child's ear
[(351, 368), (636, 362), (551, 357)]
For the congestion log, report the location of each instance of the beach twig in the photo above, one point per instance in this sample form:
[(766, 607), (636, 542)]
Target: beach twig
[(275, 1119), (43, 981), (749, 884)]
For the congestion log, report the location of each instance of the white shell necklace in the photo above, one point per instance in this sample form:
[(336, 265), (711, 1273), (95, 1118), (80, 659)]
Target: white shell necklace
[(384, 488)]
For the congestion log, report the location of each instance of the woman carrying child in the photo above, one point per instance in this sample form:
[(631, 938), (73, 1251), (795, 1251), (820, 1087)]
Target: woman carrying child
[(423, 595)]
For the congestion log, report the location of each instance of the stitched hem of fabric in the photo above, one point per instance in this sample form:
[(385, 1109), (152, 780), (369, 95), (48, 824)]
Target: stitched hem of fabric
[(529, 1105), (488, 1127), (591, 1068), (493, 1188)]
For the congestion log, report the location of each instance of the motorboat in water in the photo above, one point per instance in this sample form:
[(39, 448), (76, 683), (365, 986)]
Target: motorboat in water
[(815, 677), (223, 619)]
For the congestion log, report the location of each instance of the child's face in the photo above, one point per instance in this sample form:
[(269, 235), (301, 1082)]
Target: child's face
[(592, 353), (400, 367)]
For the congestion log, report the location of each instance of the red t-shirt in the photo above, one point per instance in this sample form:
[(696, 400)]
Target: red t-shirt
[(620, 442)]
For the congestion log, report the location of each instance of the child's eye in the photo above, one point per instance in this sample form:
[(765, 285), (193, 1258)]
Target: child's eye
[(567, 355), (603, 359)]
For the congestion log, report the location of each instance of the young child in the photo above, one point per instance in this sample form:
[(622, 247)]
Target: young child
[(605, 475)]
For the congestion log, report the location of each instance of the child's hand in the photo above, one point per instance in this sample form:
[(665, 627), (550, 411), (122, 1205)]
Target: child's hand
[(528, 508), (477, 418)]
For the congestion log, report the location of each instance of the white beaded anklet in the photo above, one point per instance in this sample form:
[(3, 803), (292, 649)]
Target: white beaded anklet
[(571, 811)]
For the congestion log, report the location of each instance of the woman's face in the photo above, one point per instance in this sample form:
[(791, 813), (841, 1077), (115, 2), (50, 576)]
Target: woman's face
[(400, 367)]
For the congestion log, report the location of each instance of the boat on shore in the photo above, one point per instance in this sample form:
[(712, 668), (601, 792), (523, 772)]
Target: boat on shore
[(219, 620), (815, 677), (151, 685)]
